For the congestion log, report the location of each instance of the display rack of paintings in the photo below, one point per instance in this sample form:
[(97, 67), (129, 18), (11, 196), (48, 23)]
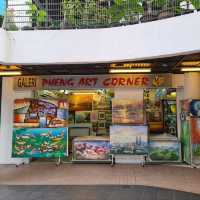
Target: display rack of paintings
[(91, 149), (153, 108), (129, 140), (127, 111), (40, 128), (170, 120)]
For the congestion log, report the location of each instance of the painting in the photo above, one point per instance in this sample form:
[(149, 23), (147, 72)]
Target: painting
[(164, 150), (82, 116), (195, 108), (127, 111), (88, 148), (132, 140), (94, 116), (102, 101), (40, 142), (101, 115), (195, 130), (80, 102), (71, 119), (37, 113), (185, 141)]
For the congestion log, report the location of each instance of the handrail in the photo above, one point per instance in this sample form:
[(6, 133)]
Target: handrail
[(77, 14)]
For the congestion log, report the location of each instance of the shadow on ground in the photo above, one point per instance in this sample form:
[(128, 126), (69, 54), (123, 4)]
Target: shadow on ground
[(92, 193)]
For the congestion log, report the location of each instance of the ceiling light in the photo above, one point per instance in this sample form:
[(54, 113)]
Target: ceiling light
[(190, 69), (130, 70), (190, 63), (84, 93), (10, 73), (131, 65)]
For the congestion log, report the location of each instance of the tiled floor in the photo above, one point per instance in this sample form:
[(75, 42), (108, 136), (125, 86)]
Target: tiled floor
[(164, 176), (92, 193)]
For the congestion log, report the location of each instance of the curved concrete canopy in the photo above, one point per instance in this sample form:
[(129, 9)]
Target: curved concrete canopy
[(168, 37)]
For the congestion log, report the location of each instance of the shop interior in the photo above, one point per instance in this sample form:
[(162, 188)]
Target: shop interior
[(89, 116)]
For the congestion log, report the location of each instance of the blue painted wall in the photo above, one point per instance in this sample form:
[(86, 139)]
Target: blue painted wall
[(2, 7)]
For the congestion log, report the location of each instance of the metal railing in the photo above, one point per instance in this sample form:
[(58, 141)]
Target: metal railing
[(69, 14)]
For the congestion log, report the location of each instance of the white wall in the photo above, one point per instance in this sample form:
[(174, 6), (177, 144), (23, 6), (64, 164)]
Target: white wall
[(6, 128), (192, 85), (173, 36), (4, 45)]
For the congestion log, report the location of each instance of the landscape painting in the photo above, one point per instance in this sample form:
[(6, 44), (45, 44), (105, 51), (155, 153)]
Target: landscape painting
[(36, 113), (195, 130), (91, 149), (131, 140), (164, 150), (80, 102), (127, 111), (82, 117), (40, 142)]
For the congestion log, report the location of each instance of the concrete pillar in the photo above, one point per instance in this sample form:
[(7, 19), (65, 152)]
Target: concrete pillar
[(192, 85), (6, 126)]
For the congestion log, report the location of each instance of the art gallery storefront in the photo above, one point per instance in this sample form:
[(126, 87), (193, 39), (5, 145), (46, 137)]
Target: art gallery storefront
[(93, 118)]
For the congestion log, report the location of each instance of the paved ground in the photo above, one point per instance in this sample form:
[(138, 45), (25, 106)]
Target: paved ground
[(92, 193), (163, 176)]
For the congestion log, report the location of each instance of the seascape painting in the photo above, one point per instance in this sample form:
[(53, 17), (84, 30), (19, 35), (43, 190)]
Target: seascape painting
[(127, 111), (131, 140), (80, 102), (40, 142)]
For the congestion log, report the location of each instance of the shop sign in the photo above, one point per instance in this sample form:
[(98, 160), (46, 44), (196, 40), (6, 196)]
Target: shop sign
[(92, 81)]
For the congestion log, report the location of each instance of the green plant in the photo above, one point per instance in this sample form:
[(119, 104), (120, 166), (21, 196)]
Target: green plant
[(38, 16), (72, 12), (195, 3), (125, 10)]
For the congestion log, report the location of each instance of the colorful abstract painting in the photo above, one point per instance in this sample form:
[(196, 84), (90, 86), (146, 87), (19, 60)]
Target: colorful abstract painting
[(129, 139), (91, 149), (40, 113), (164, 150), (195, 130), (40, 142), (127, 111)]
